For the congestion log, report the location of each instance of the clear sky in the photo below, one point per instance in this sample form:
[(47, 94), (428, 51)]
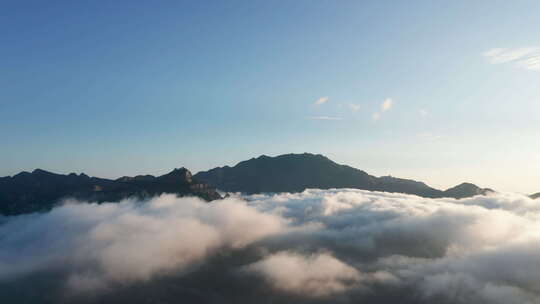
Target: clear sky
[(439, 91)]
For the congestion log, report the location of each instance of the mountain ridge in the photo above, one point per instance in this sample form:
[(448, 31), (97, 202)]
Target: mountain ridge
[(40, 190), (297, 172)]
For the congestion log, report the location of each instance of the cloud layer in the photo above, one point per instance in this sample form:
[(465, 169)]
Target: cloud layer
[(318, 246), (128, 241)]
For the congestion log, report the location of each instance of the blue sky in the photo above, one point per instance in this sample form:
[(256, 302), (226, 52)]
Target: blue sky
[(117, 88)]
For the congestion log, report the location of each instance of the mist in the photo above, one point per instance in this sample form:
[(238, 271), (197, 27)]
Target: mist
[(318, 246)]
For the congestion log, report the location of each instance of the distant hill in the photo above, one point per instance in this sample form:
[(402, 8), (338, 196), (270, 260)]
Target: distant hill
[(297, 172), (40, 190), (535, 196), (466, 190)]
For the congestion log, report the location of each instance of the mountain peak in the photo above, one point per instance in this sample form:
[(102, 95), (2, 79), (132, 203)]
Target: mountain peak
[(466, 185), (178, 174), (297, 172), (41, 172), (464, 190), (22, 174)]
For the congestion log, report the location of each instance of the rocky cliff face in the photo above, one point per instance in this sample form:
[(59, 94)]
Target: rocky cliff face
[(40, 190)]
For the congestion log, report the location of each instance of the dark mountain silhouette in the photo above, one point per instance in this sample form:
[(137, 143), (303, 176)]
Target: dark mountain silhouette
[(467, 190), (297, 172), (41, 190), (535, 196)]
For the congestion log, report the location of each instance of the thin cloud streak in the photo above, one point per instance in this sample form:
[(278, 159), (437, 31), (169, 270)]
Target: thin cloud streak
[(321, 100), (325, 118), (526, 58)]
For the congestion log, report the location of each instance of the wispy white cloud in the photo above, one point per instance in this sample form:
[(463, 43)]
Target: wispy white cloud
[(386, 105), (354, 107), (325, 118), (525, 58), (423, 113), (321, 100)]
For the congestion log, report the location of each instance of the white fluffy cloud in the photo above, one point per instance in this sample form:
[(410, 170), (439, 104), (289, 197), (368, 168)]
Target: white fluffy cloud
[(313, 276), (331, 245), (526, 57), (484, 248), (128, 241)]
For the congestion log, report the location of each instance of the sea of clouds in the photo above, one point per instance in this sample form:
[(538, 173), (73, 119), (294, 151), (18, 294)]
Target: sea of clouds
[(318, 246)]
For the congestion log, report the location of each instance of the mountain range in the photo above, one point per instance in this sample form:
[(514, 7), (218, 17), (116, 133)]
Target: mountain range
[(297, 172), (40, 190)]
